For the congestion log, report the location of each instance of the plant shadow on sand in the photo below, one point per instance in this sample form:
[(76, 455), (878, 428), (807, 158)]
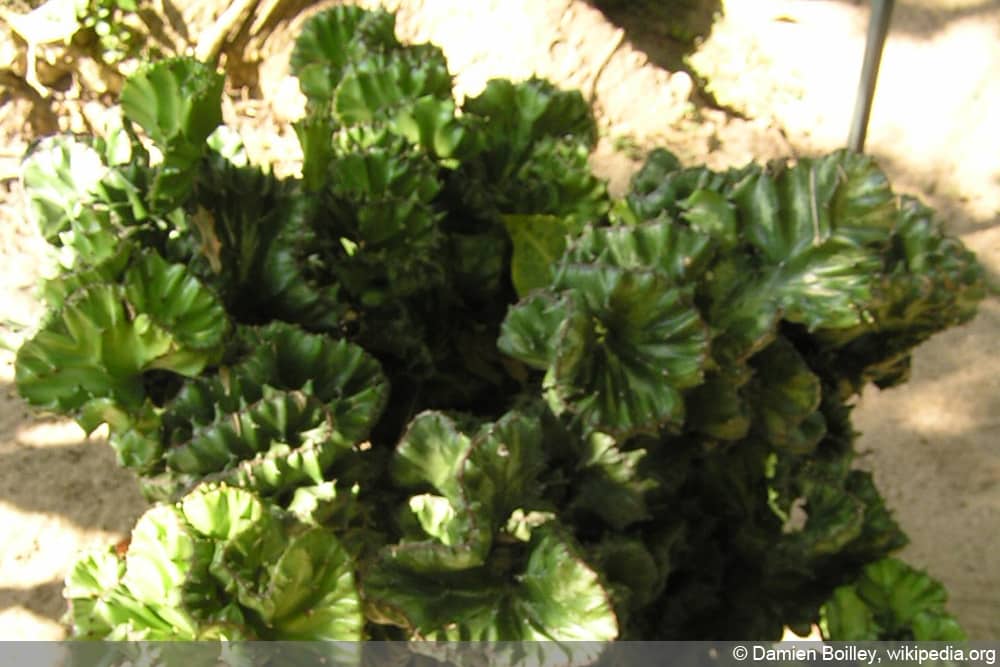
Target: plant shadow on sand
[(60, 494), (44, 600), (667, 33)]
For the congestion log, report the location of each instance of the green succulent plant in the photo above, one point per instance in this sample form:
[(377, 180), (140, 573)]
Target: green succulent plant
[(445, 375), (219, 564)]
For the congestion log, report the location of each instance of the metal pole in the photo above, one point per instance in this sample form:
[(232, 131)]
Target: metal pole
[(878, 28)]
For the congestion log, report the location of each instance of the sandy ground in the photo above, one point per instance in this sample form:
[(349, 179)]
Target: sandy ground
[(786, 73)]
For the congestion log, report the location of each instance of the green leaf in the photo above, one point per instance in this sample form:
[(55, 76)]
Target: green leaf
[(786, 396), (661, 187), (105, 337), (846, 514), (846, 617), (610, 484), (135, 449), (711, 214), (55, 291), (555, 179), (717, 407), (281, 417), (527, 331), (432, 452), (531, 154), (298, 583), (562, 597), (892, 586), (621, 344), (741, 311), (143, 603), (631, 568), (244, 235), (519, 114), (222, 514), (237, 216), (480, 482), (428, 610), (90, 576), (553, 596), (177, 302), (836, 519), (325, 504), (890, 601), (379, 86), (539, 241), (628, 346), (931, 281), (331, 40), (383, 240), (93, 573), (941, 626), (456, 539), (314, 132), (437, 518), (504, 463), (220, 564), (178, 102), (817, 231), (61, 177), (430, 123), (392, 187), (97, 350), (314, 591), (339, 373), (881, 534), (161, 554), (863, 206), (814, 223), (677, 252)]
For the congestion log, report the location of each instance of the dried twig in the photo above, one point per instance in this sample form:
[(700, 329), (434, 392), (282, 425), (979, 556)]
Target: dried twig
[(212, 40), (603, 63)]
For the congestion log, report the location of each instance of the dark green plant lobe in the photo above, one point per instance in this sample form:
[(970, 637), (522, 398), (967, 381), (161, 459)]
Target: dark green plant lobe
[(441, 386)]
